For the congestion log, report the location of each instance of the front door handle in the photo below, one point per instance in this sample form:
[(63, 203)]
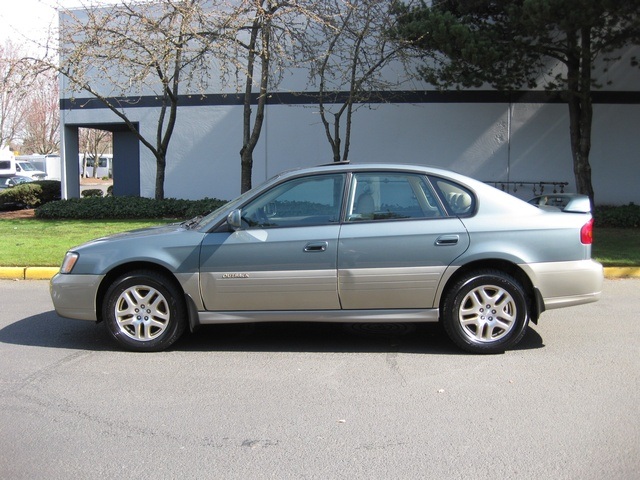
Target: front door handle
[(444, 240), (316, 246)]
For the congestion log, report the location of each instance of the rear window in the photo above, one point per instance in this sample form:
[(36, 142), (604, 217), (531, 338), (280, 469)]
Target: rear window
[(391, 196)]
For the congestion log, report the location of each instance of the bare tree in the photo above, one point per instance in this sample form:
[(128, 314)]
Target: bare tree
[(259, 38), (41, 111), (354, 50), (15, 78), (119, 53)]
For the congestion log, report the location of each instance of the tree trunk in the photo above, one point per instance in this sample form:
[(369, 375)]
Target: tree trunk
[(251, 135), (161, 163), (581, 114)]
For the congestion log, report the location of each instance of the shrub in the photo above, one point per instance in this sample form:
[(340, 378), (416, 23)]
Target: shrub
[(92, 192), (126, 207), (51, 190), (30, 194), (20, 196), (624, 216)]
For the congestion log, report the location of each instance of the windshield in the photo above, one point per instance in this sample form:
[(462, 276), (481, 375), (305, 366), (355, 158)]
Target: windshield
[(27, 166)]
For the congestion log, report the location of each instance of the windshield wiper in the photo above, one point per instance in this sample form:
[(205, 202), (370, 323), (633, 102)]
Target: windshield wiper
[(189, 224)]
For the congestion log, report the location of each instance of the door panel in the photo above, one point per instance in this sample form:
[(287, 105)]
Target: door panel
[(396, 242), (395, 264), (270, 269), (285, 258)]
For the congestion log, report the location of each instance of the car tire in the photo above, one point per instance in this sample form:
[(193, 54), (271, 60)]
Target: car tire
[(485, 312), (145, 311)]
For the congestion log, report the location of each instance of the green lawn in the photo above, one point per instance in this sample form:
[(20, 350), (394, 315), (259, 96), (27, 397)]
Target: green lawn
[(617, 247), (31, 242), (43, 243)]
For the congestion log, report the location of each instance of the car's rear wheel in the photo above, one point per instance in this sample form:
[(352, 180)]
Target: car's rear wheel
[(145, 311), (485, 312)]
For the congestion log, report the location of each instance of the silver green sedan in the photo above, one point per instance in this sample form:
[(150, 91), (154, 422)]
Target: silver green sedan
[(341, 243)]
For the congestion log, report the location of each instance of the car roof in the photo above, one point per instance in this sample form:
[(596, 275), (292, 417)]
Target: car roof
[(344, 166)]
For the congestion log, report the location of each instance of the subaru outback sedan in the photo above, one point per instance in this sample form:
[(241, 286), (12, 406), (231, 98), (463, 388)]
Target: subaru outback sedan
[(341, 243)]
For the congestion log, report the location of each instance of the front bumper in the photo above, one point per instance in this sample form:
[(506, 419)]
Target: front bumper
[(74, 296)]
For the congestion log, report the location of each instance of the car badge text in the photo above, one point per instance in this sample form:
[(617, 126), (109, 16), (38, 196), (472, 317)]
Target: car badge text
[(235, 275)]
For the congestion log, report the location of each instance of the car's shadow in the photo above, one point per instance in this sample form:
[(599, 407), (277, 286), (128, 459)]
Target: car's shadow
[(51, 331)]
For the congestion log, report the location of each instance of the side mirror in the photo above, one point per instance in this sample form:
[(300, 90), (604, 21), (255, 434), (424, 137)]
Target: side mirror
[(234, 220)]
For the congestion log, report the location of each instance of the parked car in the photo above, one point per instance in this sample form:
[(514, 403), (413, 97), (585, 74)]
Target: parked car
[(340, 243), (8, 182), (562, 201)]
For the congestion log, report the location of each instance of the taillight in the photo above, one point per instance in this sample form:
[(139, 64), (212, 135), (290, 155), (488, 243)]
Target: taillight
[(586, 233)]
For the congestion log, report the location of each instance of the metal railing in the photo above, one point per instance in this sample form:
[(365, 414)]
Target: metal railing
[(538, 187)]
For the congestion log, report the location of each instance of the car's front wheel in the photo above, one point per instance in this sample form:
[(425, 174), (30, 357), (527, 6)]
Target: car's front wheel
[(144, 311), (485, 312)]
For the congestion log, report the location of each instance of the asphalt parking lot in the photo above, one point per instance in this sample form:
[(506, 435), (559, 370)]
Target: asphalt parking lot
[(320, 401)]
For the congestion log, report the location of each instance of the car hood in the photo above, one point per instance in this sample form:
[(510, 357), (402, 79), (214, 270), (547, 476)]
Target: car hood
[(172, 246), (140, 232)]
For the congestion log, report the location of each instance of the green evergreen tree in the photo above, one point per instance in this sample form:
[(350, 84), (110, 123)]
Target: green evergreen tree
[(518, 44)]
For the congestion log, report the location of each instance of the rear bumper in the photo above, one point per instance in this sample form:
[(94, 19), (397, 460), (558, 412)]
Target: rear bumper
[(564, 284), (74, 296)]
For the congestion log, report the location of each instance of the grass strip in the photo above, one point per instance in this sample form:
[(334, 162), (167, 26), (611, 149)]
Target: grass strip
[(43, 243)]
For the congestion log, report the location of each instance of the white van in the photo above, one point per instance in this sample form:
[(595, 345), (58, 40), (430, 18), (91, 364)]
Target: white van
[(49, 164), (27, 169), (7, 162), (10, 166)]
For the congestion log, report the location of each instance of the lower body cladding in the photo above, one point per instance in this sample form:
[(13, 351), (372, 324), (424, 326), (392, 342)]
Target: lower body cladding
[(337, 316)]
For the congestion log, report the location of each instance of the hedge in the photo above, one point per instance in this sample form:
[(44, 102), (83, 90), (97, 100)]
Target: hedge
[(126, 207), (46, 194), (625, 216)]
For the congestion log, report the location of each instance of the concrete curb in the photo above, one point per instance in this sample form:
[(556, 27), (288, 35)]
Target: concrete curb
[(45, 273), (622, 272), (28, 273)]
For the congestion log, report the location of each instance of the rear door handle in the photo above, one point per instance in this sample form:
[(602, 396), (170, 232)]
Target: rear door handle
[(316, 246), (447, 240)]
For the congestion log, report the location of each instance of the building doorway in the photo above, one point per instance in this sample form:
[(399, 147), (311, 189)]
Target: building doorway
[(96, 162), (103, 157)]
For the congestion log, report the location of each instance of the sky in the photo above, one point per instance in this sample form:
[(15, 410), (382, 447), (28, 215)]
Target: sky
[(26, 19), (23, 20)]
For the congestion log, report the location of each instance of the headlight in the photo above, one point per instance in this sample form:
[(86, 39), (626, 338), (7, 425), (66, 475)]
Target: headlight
[(69, 261)]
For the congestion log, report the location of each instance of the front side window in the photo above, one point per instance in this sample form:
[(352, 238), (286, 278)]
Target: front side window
[(314, 200), (387, 196)]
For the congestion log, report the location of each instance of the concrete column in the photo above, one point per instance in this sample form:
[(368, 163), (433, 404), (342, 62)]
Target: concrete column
[(70, 163), (126, 164)]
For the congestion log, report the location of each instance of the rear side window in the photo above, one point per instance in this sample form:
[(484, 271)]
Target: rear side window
[(457, 199), (390, 196)]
